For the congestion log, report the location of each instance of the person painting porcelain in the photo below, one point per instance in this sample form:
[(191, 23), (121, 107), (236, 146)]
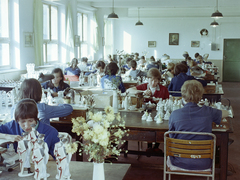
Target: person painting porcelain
[(195, 119), (110, 80), (26, 114), (73, 70), (56, 84), (152, 63), (180, 77), (153, 89), (31, 88)]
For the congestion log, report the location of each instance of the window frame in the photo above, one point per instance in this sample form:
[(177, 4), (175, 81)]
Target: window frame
[(7, 40), (83, 38), (50, 40)]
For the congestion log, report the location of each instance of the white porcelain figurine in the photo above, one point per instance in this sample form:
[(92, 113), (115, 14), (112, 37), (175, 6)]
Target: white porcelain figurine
[(62, 158), (40, 159), (145, 115), (149, 117), (24, 156)]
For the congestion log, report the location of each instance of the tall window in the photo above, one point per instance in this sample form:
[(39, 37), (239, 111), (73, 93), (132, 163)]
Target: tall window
[(50, 33), (83, 33), (4, 34)]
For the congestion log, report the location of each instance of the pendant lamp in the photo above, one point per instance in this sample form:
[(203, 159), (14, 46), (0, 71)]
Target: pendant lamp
[(113, 15), (139, 23), (217, 14), (214, 24)]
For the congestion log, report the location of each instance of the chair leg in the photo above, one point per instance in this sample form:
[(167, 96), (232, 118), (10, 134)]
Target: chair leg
[(169, 176), (207, 178)]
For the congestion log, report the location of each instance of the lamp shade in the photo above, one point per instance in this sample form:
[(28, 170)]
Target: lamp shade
[(216, 15), (139, 23), (113, 16), (214, 24)]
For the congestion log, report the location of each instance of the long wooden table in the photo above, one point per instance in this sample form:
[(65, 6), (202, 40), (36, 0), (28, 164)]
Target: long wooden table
[(79, 170), (151, 131)]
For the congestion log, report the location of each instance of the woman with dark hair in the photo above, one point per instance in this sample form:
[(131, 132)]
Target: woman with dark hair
[(73, 70), (31, 88), (57, 83), (152, 64), (110, 80), (26, 114), (176, 83)]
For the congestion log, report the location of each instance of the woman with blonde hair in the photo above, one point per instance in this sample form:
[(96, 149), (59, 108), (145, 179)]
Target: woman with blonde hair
[(194, 119)]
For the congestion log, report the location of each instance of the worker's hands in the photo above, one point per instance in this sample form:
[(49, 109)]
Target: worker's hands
[(147, 92), (14, 138)]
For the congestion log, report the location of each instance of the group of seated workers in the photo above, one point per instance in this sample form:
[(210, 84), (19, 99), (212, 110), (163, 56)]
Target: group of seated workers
[(29, 110)]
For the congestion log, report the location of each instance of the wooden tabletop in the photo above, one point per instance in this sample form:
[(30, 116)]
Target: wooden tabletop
[(78, 170)]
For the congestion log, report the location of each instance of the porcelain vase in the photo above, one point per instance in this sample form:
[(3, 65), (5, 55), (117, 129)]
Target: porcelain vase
[(98, 171)]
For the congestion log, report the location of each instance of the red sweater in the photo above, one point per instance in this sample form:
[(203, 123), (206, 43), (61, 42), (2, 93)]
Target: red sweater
[(163, 93)]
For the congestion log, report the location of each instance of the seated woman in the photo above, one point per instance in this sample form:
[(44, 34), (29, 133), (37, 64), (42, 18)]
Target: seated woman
[(136, 56), (31, 88), (152, 64), (190, 64), (154, 89), (100, 70), (57, 83), (127, 66), (73, 70), (85, 66), (141, 64), (134, 72), (110, 80), (26, 114), (195, 119), (176, 83), (170, 70)]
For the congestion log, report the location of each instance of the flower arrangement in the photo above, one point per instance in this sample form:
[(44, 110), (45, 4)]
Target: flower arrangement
[(101, 134)]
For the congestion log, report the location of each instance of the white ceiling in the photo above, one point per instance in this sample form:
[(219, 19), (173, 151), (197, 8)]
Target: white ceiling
[(162, 3)]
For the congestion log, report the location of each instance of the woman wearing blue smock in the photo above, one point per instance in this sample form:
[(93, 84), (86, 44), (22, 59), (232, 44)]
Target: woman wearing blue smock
[(73, 70), (180, 77), (194, 119), (110, 80), (31, 88), (26, 114), (56, 84)]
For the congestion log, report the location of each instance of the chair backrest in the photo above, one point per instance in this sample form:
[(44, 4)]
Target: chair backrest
[(190, 148)]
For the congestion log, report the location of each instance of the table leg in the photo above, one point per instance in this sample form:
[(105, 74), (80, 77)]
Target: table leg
[(224, 156)]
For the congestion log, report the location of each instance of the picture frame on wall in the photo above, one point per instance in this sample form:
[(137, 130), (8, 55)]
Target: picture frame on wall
[(151, 43), (28, 39), (195, 43), (173, 38)]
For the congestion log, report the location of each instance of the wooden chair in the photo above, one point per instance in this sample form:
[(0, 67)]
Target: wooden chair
[(189, 149)]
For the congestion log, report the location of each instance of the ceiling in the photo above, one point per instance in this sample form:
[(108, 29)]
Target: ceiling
[(170, 8), (162, 3)]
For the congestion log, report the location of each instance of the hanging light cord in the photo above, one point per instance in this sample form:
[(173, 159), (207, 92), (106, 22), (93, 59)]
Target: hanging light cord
[(138, 15), (113, 7)]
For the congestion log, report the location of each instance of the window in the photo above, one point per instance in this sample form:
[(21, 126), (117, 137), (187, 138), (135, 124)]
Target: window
[(50, 33), (83, 33), (4, 34)]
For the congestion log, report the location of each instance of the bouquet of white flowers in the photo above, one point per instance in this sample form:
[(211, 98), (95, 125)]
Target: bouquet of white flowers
[(101, 134)]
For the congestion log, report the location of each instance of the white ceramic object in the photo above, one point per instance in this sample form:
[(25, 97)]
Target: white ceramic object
[(98, 171)]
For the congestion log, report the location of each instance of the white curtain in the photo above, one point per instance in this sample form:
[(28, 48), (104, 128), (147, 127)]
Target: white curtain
[(108, 37), (69, 34), (95, 42), (38, 31)]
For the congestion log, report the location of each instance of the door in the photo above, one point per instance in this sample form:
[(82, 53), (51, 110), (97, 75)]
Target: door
[(231, 60)]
